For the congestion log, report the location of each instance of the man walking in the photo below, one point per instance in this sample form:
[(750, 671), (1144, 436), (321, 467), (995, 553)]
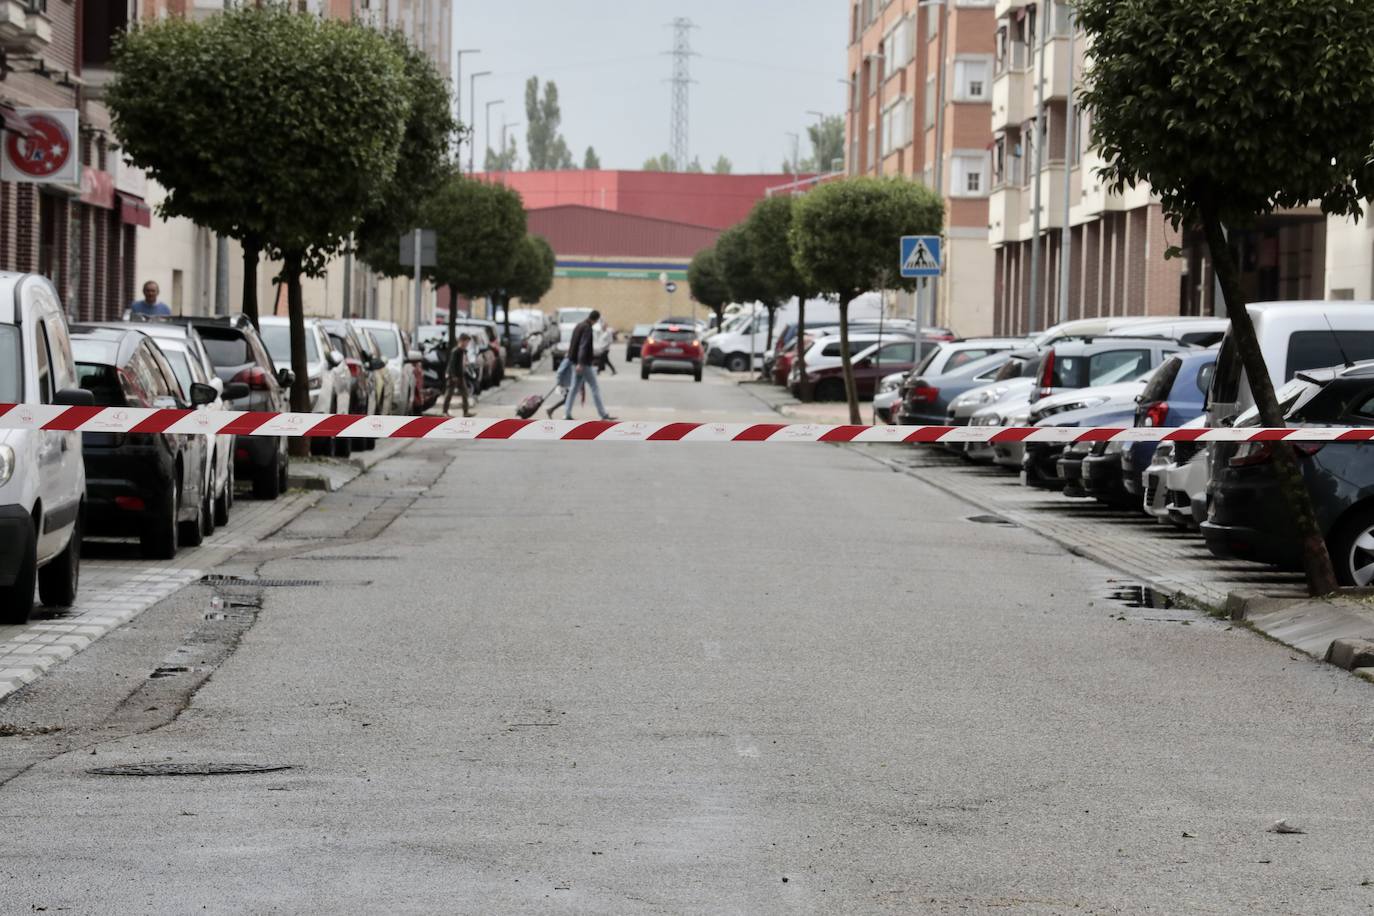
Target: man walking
[(149, 306), (457, 373), (582, 355)]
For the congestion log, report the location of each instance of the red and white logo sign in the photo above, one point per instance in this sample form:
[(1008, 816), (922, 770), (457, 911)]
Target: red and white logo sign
[(47, 154)]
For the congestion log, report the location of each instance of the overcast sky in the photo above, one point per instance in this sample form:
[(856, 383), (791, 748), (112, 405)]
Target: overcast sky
[(763, 64)]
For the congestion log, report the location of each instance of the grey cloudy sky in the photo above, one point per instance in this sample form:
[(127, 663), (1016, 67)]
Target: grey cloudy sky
[(763, 64)]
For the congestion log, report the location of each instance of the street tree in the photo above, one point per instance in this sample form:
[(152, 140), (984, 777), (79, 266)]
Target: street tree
[(591, 160), (1184, 95), (723, 166), (507, 160), (531, 274), (739, 265), (422, 167), (846, 236), (545, 145), (317, 109), (478, 231), (708, 284), (769, 228)]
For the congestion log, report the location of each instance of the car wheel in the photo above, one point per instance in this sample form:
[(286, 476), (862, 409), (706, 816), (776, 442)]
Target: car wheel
[(737, 362), (831, 389), (267, 482), (225, 501), (16, 599), (644, 369), (193, 532), (1352, 549), (159, 541), (696, 372), (284, 476), (58, 581)]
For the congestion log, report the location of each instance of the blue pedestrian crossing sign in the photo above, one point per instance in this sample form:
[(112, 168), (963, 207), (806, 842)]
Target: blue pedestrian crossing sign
[(921, 256)]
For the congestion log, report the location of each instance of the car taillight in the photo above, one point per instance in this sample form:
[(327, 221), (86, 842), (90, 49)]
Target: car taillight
[(1252, 454), (1155, 414), (923, 394), (355, 367), (1047, 376), (130, 503), (255, 377)]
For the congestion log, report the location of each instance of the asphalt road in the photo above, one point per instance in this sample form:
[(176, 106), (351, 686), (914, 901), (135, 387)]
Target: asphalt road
[(735, 679)]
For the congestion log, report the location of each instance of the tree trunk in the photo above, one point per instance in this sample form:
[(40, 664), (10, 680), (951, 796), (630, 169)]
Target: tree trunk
[(251, 249), (295, 310), (506, 354), (851, 391), (801, 350), (1321, 577), (452, 333), (768, 345)]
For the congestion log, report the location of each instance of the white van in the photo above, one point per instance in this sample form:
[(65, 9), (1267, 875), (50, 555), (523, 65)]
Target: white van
[(42, 474), (1294, 337)]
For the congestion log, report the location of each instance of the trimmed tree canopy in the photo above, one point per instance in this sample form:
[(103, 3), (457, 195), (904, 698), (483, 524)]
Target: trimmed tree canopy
[(1247, 105), (706, 280), (769, 228), (738, 265), (479, 229), (846, 235), (532, 272)]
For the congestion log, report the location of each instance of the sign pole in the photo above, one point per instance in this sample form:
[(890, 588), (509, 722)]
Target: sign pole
[(417, 280)]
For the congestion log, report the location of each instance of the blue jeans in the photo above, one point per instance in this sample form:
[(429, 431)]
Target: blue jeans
[(585, 376)]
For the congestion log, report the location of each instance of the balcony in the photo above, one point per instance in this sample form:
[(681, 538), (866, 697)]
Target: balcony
[(23, 30), (1052, 179), (1009, 99), (1004, 7), (1005, 214), (1057, 63)]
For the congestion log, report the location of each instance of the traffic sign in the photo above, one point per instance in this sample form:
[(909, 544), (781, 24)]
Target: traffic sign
[(428, 248), (921, 256), (670, 286)]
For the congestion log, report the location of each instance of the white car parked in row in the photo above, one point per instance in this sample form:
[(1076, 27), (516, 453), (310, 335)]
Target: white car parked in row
[(399, 362), (42, 475)]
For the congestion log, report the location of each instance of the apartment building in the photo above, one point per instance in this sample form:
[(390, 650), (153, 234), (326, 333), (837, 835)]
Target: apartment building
[(920, 78), (1112, 260)]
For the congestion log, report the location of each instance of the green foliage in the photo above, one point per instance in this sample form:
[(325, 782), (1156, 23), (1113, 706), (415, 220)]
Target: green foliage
[(662, 163), (723, 166), (769, 228), (695, 166), (531, 273), (591, 160), (546, 146), (738, 264), (479, 229), (827, 144), (707, 281), (507, 161), (846, 235), (1243, 106), (429, 127)]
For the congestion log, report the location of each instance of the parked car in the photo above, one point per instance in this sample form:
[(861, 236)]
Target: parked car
[(521, 342), (42, 476), (363, 396), (239, 355), (926, 395), (1248, 517), (401, 362), (381, 372), (185, 353), (888, 397), (1096, 407), (869, 365), (486, 341), (672, 347), (635, 341), (824, 353), (1196, 332), (1175, 394), (147, 485), (567, 320), (327, 373)]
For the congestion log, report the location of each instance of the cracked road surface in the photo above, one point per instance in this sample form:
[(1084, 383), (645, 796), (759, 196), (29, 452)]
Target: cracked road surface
[(679, 679)]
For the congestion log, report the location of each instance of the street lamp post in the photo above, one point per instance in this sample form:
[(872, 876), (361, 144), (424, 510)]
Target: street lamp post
[(458, 98), (472, 109), (486, 134)]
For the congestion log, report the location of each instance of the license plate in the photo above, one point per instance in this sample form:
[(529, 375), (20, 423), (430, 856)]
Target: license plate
[(672, 351)]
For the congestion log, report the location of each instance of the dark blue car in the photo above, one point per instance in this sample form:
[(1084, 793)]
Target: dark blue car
[(1176, 394)]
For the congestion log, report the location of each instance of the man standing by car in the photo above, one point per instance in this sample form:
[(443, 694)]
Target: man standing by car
[(457, 373), (582, 353), (149, 306)]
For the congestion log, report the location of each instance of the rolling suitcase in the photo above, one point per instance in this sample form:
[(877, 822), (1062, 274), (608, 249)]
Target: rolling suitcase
[(530, 405)]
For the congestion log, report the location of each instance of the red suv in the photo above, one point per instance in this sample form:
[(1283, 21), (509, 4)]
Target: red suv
[(672, 347)]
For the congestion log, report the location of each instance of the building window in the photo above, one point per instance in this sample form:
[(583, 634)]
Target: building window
[(897, 125), (970, 175), (1080, 139), (930, 102), (899, 46), (101, 24), (999, 162), (971, 79)]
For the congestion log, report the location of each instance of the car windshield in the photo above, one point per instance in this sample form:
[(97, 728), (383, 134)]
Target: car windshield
[(277, 338), (230, 350), (11, 382), (1100, 368), (95, 351), (1292, 397), (388, 343), (674, 334), (572, 316), (180, 368)]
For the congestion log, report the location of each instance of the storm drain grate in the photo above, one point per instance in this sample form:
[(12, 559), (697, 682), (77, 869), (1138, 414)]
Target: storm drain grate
[(188, 769), (243, 582)]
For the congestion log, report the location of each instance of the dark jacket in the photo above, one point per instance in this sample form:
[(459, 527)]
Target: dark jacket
[(580, 348)]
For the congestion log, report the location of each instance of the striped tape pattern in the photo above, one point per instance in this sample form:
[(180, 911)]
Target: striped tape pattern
[(314, 425)]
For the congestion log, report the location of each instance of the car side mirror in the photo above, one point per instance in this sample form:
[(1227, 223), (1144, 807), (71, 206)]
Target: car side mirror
[(286, 378), (74, 397), (335, 358), (414, 356), (203, 394), (376, 363), (235, 390)]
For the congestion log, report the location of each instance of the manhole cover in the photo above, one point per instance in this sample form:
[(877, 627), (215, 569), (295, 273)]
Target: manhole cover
[(259, 583), (992, 520), (188, 769)]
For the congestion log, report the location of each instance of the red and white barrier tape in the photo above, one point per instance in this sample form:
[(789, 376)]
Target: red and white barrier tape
[(314, 425)]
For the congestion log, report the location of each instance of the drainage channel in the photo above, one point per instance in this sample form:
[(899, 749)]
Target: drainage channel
[(189, 769)]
